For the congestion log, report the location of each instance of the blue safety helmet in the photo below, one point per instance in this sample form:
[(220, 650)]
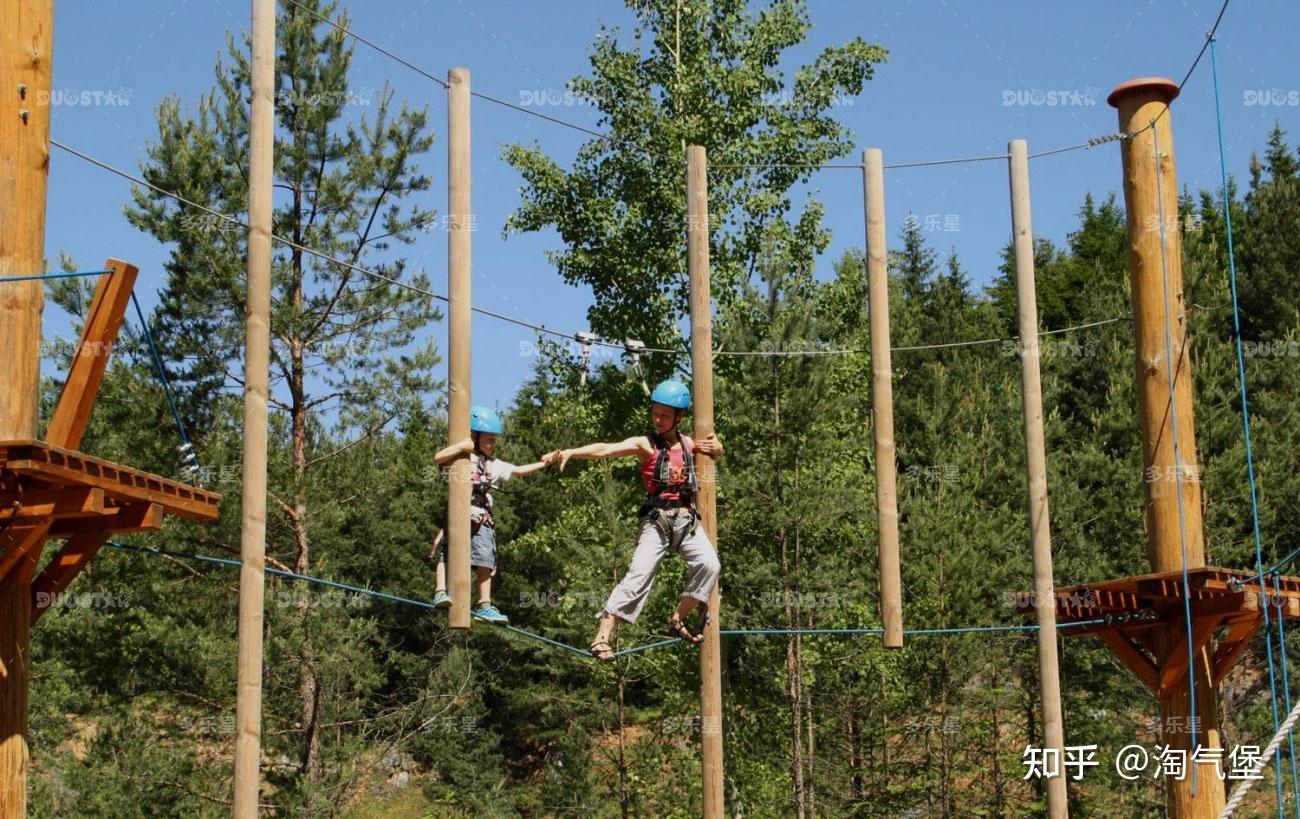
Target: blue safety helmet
[(482, 419), (674, 394)]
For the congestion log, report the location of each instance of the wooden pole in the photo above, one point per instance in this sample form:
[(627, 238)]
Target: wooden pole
[(26, 51), (252, 570), (697, 237), (1040, 529), (1157, 278), (458, 342), (882, 398)]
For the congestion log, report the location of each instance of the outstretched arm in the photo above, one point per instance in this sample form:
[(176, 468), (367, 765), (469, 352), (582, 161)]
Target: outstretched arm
[(529, 469), (451, 452), (637, 445)]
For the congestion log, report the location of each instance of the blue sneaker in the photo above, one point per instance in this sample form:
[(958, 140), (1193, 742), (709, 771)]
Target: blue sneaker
[(442, 600), (490, 614)]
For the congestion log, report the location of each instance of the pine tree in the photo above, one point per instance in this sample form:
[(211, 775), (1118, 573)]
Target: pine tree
[(344, 348)]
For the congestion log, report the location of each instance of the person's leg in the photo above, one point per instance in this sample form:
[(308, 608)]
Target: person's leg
[(483, 557), (441, 599), (608, 627), (483, 574), (702, 570), (629, 596)]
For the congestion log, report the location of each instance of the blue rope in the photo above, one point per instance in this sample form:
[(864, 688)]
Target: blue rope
[(648, 646), (45, 276), (1178, 461), (1264, 573), (167, 388), (912, 632), (555, 643), (188, 449), (1245, 419), (223, 561)]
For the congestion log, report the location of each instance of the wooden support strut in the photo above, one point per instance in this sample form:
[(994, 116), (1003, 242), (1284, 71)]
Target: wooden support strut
[(65, 566), (107, 311)]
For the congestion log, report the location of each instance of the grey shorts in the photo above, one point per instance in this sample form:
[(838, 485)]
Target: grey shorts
[(482, 548)]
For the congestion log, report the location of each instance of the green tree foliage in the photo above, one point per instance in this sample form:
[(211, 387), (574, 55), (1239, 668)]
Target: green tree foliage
[(704, 73)]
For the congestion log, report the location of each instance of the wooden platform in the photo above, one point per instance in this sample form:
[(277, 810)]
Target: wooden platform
[(1132, 610), (49, 467), (47, 492)]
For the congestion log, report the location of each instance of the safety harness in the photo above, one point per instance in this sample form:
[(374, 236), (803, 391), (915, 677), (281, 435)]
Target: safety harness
[(655, 502), (480, 485)]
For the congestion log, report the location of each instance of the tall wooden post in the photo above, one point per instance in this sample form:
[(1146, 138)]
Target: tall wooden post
[(252, 570), (26, 52), (458, 341), (1173, 491), (882, 398), (697, 239), (1040, 531)]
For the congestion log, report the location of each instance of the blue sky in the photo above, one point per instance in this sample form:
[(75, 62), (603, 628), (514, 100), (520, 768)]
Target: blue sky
[(963, 79)]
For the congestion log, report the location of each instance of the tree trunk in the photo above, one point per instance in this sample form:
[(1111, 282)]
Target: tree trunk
[(811, 721), (994, 755), (309, 685), (793, 678), (623, 801), (945, 683), (792, 671), (851, 731), (810, 789), (1031, 730)]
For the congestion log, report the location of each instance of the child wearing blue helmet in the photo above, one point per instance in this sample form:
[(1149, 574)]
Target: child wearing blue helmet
[(669, 521), (486, 473)]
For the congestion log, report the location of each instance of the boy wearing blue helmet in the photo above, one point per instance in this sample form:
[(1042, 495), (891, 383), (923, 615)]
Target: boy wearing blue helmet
[(486, 473), (668, 517)]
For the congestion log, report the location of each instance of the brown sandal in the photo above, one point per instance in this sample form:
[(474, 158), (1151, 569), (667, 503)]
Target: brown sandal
[(602, 651), (676, 628)]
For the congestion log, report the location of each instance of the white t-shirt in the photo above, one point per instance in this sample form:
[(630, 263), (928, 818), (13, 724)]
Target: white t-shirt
[(497, 472)]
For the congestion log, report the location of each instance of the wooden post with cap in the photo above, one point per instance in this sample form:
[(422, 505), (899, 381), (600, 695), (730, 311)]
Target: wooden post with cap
[(1172, 488)]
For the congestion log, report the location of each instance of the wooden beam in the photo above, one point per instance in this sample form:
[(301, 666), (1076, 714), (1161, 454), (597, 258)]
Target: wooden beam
[(66, 565), (1174, 669), (54, 503), (137, 517), (107, 311), (1136, 659), (1225, 604), (1231, 647), (17, 544)]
